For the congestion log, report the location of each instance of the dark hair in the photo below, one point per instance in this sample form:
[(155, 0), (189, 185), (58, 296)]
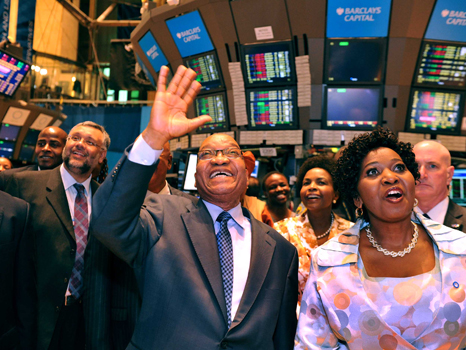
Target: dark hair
[(268, 175), (320, 161), (349, 164), (103, 172)]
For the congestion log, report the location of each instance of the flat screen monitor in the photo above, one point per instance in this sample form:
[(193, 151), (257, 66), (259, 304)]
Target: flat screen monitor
[(6, 149), (355, 61), (441, 65), (13, 70), (190, 34), (272, 108), (208, 70), (268, 64), (153, 52), (31, 137), (9, 132), (458, 187), (352, 108), (216, 107), (26, 153), (435, 112), (189, 171), (255, 172)]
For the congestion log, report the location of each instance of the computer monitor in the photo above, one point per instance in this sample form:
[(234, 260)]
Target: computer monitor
[(153, 53), (268, 64), (190, 34), (26, 153), (216, 107), (272, 108), (355, 61), (13, 70), (9, 132), (31, 137), (255, 172), (458, 187), (435, 112), (352, 108), (208, 71), (441, 65), (189, 171), (6, 149)]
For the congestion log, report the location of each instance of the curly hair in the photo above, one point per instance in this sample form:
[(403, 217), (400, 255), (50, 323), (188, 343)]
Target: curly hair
[(349, 164), (321, 161)]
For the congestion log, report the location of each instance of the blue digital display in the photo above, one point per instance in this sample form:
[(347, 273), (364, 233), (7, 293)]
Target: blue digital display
[(448, 21), (145, 70), (152, 51), (358, 18), (190, 34)]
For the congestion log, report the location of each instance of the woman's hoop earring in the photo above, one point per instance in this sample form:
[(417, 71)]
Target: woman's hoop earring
[(358, 212), (415, 202)]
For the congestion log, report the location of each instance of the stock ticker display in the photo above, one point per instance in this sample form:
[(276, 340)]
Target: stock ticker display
[(207, 71), (442, 65), (12, 73), (215, 107), (271, 108), (435, 111)]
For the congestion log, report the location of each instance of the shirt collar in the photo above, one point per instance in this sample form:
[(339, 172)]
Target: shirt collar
[(438, 212), (236, 213), (69, 180)]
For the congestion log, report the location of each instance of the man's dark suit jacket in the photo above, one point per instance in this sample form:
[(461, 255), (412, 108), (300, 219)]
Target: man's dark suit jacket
[(455, 217), (170, 241), (13, 222), (5, 176), (54, 247)]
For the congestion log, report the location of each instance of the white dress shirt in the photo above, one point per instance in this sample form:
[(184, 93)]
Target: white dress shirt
[(438, 212), (239, 227)]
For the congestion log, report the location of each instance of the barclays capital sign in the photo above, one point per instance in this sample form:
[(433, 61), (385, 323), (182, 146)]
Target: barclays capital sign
[(448, 21), (358, 18)]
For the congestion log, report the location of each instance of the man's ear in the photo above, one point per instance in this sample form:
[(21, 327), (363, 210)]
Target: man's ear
[(450, 172), (169, 162)]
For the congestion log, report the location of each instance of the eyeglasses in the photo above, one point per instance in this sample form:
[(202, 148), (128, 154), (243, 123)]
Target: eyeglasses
[(230, 153), (88, 142)]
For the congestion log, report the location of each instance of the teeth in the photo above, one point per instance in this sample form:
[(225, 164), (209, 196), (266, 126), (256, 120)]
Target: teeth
[(393, 192), (219, 173), (312, 197)]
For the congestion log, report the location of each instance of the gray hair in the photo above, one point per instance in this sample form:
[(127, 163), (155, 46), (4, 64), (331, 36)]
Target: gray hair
[(106, 144)]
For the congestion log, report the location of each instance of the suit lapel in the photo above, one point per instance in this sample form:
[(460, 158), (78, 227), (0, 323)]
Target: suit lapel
[(205, 245), (262, 249), (57, 198), (453, 217)]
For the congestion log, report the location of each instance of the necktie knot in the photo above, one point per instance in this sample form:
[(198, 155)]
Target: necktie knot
[(80, 189), (224, 217)]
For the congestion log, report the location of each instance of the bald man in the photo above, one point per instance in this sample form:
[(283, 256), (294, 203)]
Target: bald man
[(49, 147), (432, 190)]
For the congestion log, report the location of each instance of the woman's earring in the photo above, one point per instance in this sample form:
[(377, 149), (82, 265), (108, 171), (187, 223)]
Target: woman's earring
[(359, 212), (334, 201), (415, 202)]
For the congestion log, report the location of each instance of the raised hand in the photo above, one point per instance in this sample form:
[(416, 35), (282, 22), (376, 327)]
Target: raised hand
[(168, 116)]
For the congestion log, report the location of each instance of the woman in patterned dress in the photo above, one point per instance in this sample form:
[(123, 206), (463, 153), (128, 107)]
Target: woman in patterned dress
[(394, 280), (317, 223)]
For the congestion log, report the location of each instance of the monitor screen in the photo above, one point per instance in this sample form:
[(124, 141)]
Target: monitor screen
[(435, 112), (9, 132), (272, 108), (12, 73), (356, 108), (355, 61), (215, 106), (208, 70), (31, 137), (255, 172), (153, 53), (189, 171), (26, 153), (441, 65), (458, 187), (6, 149), (190, 34), (266, 64)]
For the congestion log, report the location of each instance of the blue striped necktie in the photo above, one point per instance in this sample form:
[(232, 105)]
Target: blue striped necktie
[(225, 252)]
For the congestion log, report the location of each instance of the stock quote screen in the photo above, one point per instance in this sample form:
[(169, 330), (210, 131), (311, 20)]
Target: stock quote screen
[(215, 107), (442, 65), (207, 70), (272, 108), (435, 111), (12, 72)]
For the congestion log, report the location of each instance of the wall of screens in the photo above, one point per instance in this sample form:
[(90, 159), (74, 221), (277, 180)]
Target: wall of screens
[(435, 112), (214, 105)]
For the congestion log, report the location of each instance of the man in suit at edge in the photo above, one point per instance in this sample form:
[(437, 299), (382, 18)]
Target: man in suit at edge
[(13, 222), (433, 188), (55, 196), (48, 151), (189, 299)]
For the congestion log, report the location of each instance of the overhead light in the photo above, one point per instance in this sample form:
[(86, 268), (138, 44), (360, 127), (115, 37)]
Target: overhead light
[(37, 69), (73, 79), (43, 71)]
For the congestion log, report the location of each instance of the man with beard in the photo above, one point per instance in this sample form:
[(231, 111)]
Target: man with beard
[(60, 201), (211, 276)]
